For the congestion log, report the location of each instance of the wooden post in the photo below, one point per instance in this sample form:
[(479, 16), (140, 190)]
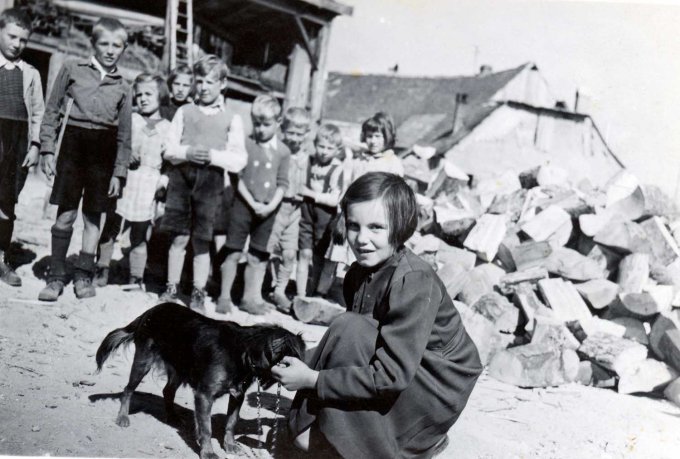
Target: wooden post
[(299, 73), (319, 77)]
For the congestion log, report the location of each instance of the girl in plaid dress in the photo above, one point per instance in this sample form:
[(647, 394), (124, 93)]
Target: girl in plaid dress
[(136, 205)]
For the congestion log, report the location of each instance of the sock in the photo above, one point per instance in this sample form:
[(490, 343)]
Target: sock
[(105, 254), (138, 260), (6, 229), (84, 265), (201, 270), (175, 264), (61, 239), (283, 277)]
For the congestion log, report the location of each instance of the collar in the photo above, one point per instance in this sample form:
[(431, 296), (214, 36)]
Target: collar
[(213, 108), (102, 71), (9, 65), (391, 262), (365, 155), (271, 144)]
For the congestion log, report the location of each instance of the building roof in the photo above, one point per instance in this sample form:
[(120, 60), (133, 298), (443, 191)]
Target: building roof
[(354, 97)]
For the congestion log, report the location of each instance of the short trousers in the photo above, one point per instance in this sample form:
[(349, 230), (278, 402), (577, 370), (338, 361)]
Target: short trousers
[(315, 230), (222, 214), (13, 149), (84, 169), (286, 229), (243, 223), (194, 195)]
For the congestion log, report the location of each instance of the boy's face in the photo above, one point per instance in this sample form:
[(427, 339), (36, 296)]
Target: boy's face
[(181, 87), (147, 97), (209, 88), (293, 136), (108, 48), (325, 151), (264, 127), (13, 40)]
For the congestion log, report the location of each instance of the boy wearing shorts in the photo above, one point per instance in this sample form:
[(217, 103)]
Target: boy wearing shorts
[(94, 155), (260, 189)]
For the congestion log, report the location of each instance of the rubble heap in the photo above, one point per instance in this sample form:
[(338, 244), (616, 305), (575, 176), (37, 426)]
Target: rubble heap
[(559, 283)]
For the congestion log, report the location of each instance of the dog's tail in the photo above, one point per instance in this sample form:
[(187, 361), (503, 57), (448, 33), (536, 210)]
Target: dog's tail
[(115, 339)]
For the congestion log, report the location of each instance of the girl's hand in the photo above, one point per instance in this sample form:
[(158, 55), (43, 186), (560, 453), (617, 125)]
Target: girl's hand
[(47, 164), (307, 192), (294, 374), (31, 157), (114, 187)]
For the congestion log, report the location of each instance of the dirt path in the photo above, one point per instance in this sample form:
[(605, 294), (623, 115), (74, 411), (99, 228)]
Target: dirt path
[(52, 403)]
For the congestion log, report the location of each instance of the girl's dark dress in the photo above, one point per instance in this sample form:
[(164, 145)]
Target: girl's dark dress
[(396, 371)]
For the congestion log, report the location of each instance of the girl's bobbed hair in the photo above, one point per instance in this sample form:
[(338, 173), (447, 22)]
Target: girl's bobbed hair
[(380, 122), (398, 199), (152, 78)]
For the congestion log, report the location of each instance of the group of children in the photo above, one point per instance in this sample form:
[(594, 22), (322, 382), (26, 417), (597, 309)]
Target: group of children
[(122, 150)]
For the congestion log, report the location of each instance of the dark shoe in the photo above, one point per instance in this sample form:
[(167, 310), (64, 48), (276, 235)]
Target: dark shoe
[(101, 277), (197, 300), (281, 302), (257, 309), (223, 306), (51, 291), (8, 276), (170, 294), (83, 288)]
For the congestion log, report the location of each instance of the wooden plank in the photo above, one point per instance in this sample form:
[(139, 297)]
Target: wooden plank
[(486, 236), (664, 247), (648, 376), (572, 265), (624, 236), (563, 299), (619, 355), (670, 347), (553, 224), (633, 273), (535, 365), (530, 254), (497, 308), (526, 300), (510, 281), (599, 293)]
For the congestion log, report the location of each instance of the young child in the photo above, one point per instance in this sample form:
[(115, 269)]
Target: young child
[(21, 112), (284, 238), (401, 352), (321, 198), (204, 141), (180, 83), (378, 135), (137, 204), (260, 190), (94, 155)]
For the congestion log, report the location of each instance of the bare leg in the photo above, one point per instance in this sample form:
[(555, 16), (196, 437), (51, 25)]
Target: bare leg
[(91, 222), (140, 367), (302, 440), (229, 268), (202, 410), (303, 271), (235, 403)]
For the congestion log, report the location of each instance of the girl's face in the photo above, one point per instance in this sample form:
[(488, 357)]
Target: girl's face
[(147, 98), (181, 87), (368, 232), (375, 141)]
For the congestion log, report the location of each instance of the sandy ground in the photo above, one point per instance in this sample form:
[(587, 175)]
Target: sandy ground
[(53, 404)]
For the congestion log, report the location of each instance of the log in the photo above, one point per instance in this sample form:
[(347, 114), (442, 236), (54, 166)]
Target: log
[(421, 244), (482, 332), (661, 324), (637, 305), (585, 373), (606, 257), (552, 332), (664, 248), (624, 236), (510, 281), (670, 347), (479, 281), (509, 204), (449, 254), (595, 325), (530, 254), (572, 265), (526, 300), (635, 329), (454, 277), (313, 310), (498, 310), (619, 355), (486, 236), (599, 293), (563, 299), (454, 230), (633, 273), (534, 365), (662, 294), (591, 224), (649, 376), (553, 225)]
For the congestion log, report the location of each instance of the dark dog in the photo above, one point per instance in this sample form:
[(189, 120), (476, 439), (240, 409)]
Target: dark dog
[(213, 357)]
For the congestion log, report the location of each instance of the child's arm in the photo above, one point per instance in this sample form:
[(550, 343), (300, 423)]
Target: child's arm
[(175, 152), (234, 157), (248, 197), (281, 186), (332, 197), (37, 113), (50, 122)]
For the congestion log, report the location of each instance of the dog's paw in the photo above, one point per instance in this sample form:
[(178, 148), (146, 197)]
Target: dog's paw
[(232, 448), (123, 421)]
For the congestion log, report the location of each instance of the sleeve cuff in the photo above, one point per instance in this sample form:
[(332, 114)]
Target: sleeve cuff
[(120, 171)]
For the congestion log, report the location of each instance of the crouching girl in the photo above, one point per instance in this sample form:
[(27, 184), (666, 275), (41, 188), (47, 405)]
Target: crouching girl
[(392, 375)]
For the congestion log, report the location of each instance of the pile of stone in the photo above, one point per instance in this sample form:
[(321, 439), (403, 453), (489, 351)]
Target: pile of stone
[(559, 283)]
